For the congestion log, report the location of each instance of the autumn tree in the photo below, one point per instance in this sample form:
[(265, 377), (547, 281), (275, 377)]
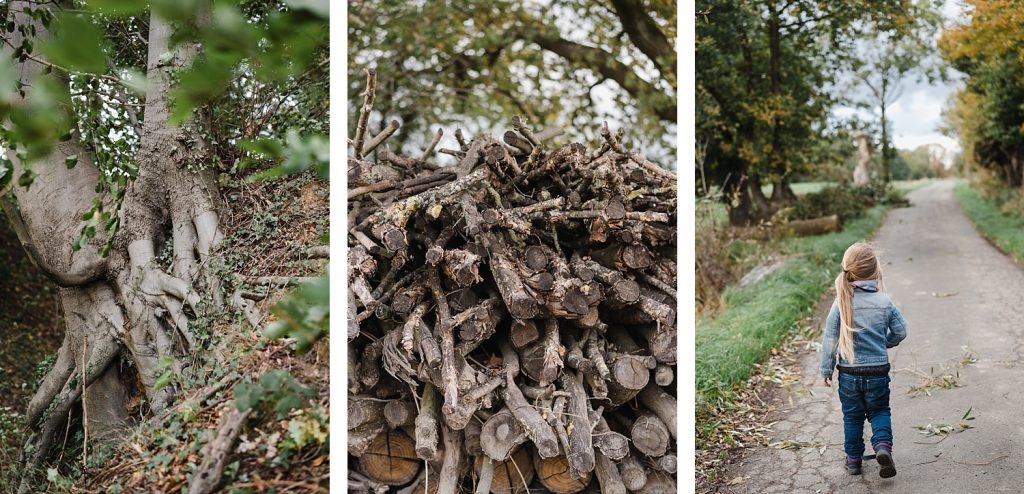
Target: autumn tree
[(989, 47), (555, 63), (121, 123)]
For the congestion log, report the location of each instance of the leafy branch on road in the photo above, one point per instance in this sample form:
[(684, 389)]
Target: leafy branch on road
[(947, 377), (942, 429)]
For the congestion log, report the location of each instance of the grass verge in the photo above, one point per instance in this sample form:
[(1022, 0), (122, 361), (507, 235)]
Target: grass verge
[(758, 316), (1006, 231)]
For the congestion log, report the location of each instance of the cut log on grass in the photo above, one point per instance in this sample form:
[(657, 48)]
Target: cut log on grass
[(799, 228), (523, 299), (208, 476), (816, 226)]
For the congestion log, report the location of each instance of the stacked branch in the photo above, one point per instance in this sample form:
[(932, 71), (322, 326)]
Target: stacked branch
[(512, 320)]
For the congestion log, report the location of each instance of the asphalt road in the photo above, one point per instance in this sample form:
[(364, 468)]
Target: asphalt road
[(964, 301)]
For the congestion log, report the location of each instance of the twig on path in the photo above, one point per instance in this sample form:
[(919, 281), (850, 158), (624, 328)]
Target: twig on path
[(981, 464), (936, 442), (937, 458)]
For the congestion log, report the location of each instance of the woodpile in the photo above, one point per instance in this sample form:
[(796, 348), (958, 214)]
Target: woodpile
[(511, 317)]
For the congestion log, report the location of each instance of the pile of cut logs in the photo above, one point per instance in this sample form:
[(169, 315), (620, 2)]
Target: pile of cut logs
[(511, 318)]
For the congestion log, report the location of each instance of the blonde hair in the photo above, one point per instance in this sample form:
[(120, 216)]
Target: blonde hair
[(859, 263)]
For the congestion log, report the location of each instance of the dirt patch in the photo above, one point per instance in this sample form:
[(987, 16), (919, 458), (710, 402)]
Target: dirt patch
[(31, 324)]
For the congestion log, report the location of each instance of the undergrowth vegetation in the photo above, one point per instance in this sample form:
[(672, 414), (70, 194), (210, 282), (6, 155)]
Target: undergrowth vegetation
[(997, 213), (724, 253), (283, 384)]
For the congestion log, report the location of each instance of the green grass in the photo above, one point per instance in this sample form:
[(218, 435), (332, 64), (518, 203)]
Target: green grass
[(1006, 231), (801, 188), (758, 316)]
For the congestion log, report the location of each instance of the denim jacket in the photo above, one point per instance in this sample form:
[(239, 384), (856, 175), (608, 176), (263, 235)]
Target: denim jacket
[(878, 325)]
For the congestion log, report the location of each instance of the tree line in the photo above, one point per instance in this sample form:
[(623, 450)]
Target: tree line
[(770, 75)]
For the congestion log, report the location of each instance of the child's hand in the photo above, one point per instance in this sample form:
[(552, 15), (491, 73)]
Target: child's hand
[(828, 381)]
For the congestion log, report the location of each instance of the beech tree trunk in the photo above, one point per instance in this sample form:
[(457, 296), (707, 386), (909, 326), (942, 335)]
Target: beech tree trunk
[(124, 304)]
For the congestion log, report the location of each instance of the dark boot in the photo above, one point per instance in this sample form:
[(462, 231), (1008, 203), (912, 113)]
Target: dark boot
[(853, 465), (887, 467)]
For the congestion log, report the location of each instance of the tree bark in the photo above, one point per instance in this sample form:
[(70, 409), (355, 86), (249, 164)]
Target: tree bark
[(123, 303)]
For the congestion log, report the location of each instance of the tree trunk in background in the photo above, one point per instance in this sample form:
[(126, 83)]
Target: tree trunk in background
[(781, 192), (124, 304), (862, 173), (886, 177)]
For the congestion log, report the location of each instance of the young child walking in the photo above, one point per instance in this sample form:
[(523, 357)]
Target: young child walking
[(861, 326)]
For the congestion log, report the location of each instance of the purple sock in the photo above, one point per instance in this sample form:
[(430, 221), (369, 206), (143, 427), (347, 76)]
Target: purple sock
[(852, 459), (885, 445)]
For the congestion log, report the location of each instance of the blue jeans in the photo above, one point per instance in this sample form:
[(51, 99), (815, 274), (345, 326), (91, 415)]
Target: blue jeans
[(864, 397)]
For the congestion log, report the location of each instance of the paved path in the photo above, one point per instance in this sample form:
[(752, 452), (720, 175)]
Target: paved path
[(957, 292)]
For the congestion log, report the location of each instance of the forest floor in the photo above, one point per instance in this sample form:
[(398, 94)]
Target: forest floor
[(955, 399), (269, 226)]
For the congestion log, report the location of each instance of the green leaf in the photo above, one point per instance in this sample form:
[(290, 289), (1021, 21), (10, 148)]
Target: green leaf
[(247, 396), (136, 81), (203, 82), (161, 382), (118, 7), (319, 7), (176, 10), (6, 172), (271, 148), (286, 404), (77, 45), (71, 161), (165, 361), (303, 315), (302, 152), (26, 178)]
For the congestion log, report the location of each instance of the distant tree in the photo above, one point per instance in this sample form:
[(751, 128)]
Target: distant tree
[(889, 60)]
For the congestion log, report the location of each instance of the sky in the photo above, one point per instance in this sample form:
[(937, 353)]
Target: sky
[(916, 116), (918, 113)]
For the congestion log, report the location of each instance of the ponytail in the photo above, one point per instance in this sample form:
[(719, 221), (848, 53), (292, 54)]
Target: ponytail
[(844, 298), (859, 263)]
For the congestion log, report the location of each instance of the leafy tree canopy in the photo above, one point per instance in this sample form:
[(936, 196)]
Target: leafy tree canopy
[(988, 46), (474, 64), (767, 75)]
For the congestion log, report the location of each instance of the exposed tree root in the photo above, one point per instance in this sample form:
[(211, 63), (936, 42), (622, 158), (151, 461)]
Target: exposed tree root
[(125, 304)]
